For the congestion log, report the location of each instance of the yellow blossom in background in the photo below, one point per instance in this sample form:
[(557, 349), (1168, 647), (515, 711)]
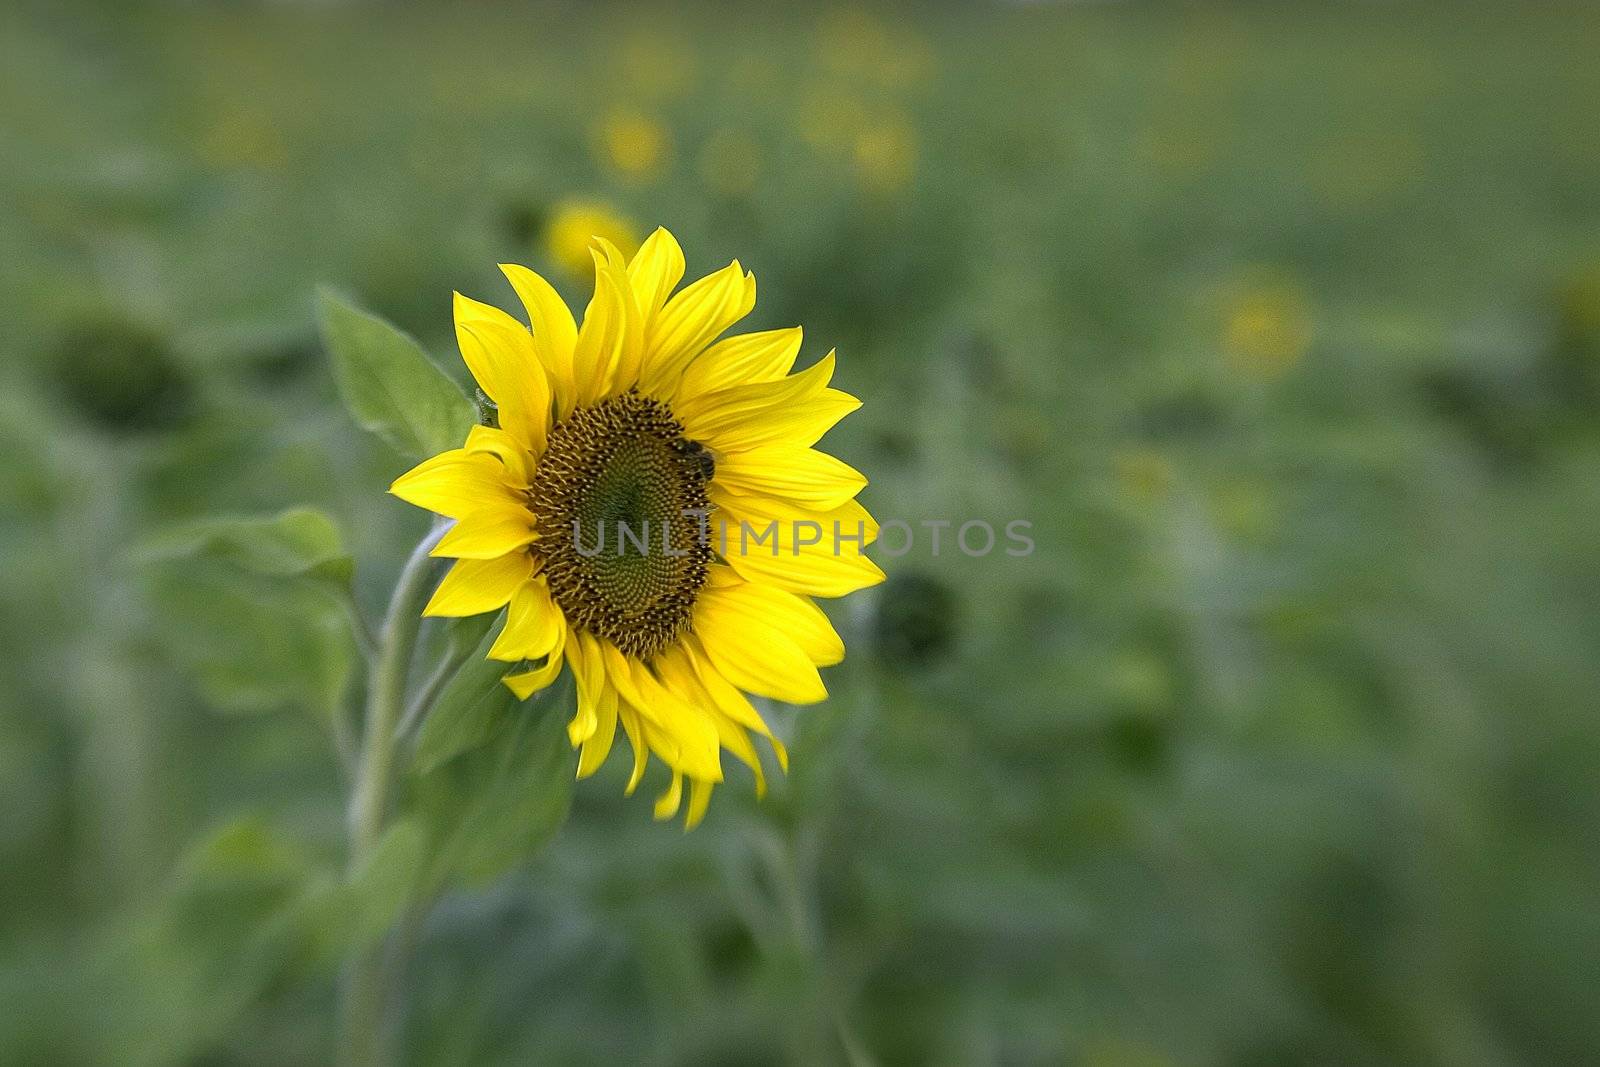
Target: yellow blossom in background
[(829, 122), (1244, 510), (730, 163), (886, 154), (244, 137), (1143, 474), (633, 144), (657, 65), (865, 126), (1267, 328), (850, 40), (854, 44), (573, 226)]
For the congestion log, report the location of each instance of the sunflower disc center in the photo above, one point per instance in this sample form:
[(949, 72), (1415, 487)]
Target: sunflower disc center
[(624, 561)]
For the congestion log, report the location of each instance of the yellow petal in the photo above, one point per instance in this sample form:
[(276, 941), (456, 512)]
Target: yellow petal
[(678, 673), (790, 472), (456, 483), (741, 360), (696, 406), (600, 340), (686, 735), (667, 803), (475, 586), (554, 332), (802, 424), (689, 322), (725, 696), (630, 344), (598, 744), (796, 410), (500, 353), (795, 617), (750, 650), (527, 683), (847, 528), (488, 532), (815, 553), (729, 701), (655, 271), (583, 653), (511, 453), (641, 748), (534, 628), (699, 800)]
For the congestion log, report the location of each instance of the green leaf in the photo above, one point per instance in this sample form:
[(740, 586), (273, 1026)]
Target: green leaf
[(472, 706), (241, 915), (385, 885), (248, 851), (497, 805), (390, 385), (251, 640), (254, 644), (300, 542), (464, 634)]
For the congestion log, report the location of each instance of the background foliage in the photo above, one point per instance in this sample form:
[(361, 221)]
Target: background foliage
[(1282, 326)]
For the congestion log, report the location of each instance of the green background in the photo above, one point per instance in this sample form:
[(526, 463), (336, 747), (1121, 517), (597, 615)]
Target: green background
[(1281, 326)]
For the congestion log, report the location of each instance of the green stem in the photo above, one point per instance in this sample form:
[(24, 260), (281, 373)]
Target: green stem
[(359, 629), (428, 695), (367, 991)]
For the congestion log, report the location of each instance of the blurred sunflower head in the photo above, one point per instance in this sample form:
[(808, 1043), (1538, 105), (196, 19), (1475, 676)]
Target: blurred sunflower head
[(642, 428), (573, 226), (633, 144)]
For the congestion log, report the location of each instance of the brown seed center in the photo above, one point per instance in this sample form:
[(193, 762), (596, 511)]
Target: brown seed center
[(620, 496)]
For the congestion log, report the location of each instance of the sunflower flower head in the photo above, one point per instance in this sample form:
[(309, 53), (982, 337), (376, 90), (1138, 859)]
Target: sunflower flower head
[(650, 512)]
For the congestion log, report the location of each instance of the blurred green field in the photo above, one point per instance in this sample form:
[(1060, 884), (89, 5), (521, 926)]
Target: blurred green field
[(1281, 326)]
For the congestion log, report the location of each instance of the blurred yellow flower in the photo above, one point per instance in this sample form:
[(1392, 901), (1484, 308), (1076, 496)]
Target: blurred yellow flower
[(1144, 474), (730, 163), (829, 123), (1267, 329), (886, 154), (853, 42), (633, 144), (657, 64), (244, 137), (573, 226), (1244, 510)]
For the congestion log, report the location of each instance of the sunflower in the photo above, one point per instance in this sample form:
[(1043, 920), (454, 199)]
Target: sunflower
[(572, 228), (693, 457)]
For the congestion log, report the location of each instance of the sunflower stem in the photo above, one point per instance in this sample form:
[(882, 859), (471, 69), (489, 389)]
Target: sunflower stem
[(366, 1041), (423, 702), (360, 629)]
